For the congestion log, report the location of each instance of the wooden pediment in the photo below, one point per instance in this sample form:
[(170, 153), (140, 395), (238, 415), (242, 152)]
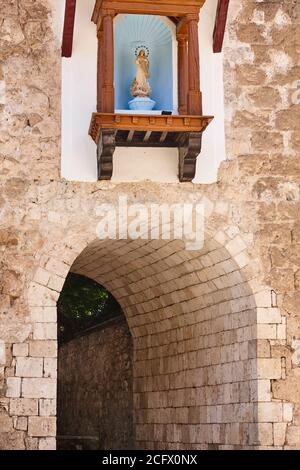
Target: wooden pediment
[(175, 9), (175, 14)]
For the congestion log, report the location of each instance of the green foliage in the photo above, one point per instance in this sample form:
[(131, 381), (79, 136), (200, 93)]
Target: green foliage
[(82, 304)]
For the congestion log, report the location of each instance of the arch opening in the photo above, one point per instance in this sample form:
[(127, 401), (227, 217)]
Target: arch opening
[(94, 393), (192, 317)]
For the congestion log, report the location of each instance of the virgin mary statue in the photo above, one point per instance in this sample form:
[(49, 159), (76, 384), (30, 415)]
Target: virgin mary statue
[(140, 86)]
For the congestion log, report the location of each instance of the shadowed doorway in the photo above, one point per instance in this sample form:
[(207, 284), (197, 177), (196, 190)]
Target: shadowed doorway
[(95, 398)]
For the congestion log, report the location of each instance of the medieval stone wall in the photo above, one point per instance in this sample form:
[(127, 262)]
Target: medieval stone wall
[(95, 396), (263, 137), (252, 218)]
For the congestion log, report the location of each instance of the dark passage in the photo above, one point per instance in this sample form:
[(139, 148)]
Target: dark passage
[(95, 397)]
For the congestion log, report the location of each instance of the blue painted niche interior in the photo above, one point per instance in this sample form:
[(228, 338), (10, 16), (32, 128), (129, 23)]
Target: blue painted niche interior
[(132, 31)]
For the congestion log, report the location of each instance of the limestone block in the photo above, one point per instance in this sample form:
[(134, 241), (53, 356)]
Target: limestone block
[(263, 139), (20, 349), (288, 412), (6, 423), (50, 367), (57, 267), (14, 330), (281, 332), (282, 279), (31, 443), (279, 433), (265, 97), (293, 435), (2, 353), (42, 276), (2, 92), (269, 368), (44, 331), (263, 348), (41, 426), (260, 390), (4, 404), (265, 434), (38, 388), (40, 296), (235, 246), (263, 299), (47, 443), (293, 322), (266, 331), (43, 348), (23, 407), (21, 424), (296, 353), (43, 314), (29, 367), (56, 283), (13, 387), (47, 407), (242, 259), (269, 412), (268, 315), (288, 389)]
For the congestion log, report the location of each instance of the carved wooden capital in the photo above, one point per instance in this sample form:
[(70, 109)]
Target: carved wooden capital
[(110, 13), (192, 18), (182, 38)]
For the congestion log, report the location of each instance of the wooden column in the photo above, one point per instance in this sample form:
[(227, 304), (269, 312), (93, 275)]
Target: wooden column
[(108, 98), (194, 94), (100, 71), (182, 73)]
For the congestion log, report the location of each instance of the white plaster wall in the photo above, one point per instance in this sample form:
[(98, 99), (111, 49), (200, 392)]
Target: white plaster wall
[(79, 101), (212, 87)]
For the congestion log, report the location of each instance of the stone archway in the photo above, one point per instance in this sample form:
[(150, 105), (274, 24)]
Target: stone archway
[(201, 379), (192, 316)]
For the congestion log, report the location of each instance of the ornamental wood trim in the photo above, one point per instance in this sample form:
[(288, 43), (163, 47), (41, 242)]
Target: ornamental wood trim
[(141, 122), (220, 25), (170, 8), (68, 33)]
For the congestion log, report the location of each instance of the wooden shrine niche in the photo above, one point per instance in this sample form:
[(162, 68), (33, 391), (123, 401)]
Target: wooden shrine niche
[(139, 125)]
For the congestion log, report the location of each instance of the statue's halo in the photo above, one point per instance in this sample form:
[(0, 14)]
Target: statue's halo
[(138, 49)]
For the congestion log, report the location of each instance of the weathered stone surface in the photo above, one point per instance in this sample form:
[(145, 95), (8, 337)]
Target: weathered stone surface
[(23, 407), (6, 424), (41, 426), (279, 433), (47, 443), (43, 349), (38, 388), (13, 385), (20, 349), (21, 424), (288, 389), (293, 435), (194, 321), (110, 405), (47, 408), (29, 367)]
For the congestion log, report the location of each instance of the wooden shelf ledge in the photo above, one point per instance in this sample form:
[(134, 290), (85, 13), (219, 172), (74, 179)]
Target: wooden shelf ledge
[(109, 130), (144, 122)]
